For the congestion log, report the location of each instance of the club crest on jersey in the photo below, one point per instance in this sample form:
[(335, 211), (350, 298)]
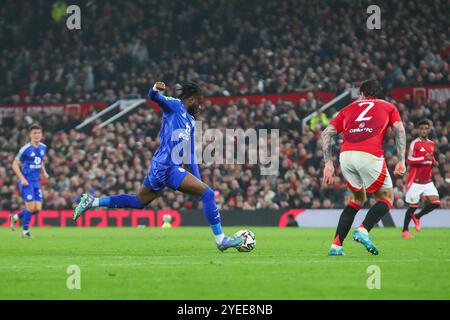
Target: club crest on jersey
[(42, 152), (362, 125)]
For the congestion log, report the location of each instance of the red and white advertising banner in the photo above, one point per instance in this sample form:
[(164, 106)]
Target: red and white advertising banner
[(288, 217), (436, 93), (429, 93), (69, 108), (325, 96), (86, 107)]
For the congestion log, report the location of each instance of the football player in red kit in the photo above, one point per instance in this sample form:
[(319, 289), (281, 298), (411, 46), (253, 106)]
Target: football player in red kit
[(364, 124), (420, 181)]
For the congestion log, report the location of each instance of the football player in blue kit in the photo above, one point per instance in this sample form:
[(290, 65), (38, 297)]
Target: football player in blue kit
[(177, 147), (28, 166)]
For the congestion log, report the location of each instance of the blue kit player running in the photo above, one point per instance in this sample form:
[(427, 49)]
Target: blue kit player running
[(177, 147), (28, 166)]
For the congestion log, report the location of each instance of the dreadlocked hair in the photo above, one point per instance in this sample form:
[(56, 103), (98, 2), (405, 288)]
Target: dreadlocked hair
[(189, 89)]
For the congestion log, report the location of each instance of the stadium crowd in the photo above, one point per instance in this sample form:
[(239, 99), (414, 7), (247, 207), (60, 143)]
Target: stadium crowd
[(115, 159), (231, 47)]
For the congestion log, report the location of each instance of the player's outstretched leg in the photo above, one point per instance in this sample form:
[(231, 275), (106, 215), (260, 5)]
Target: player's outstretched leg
[(139, 201), (379, 209), (409, 214), (433, 203), (191, 185)]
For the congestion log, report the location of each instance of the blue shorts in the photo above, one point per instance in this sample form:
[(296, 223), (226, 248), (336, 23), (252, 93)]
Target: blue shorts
[(161, 176), (32, 192)]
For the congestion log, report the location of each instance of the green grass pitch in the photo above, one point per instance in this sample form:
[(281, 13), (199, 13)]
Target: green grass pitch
[(183, 263)]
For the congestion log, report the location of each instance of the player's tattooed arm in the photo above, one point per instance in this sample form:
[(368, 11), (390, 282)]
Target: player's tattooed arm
[(400, 140), (327, 141)]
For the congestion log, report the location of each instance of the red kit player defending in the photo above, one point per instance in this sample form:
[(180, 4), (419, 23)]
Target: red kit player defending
[(420, 182), (364, 124)]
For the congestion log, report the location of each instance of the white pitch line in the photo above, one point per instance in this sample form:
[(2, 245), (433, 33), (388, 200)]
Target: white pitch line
[(341, 260)]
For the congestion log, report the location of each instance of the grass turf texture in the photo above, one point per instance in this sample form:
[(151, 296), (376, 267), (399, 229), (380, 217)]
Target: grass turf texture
[(183, 263)]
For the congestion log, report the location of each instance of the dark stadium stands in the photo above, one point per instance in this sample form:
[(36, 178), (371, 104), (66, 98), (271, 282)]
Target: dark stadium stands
[(231, 47), (115, 159)]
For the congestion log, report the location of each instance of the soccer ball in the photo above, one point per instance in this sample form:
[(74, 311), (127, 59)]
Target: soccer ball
[(249, 240)]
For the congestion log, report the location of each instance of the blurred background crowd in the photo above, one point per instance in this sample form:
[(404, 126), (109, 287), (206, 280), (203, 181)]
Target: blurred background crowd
[(232, 47), (115, 159)]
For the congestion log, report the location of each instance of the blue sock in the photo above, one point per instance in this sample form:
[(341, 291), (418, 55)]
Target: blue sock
[(217, 229), (212, 214), (104, 201), (26, 219), (122, 201), (21, 214)]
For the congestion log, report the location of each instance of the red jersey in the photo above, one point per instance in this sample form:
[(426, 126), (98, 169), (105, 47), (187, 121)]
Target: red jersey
[(420, 167), (364, 124)]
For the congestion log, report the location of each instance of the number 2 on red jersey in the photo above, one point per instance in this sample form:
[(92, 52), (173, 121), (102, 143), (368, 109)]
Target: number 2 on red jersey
[(364, 112)]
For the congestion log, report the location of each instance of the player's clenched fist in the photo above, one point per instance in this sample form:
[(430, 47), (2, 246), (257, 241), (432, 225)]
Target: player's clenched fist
[(160, 86)]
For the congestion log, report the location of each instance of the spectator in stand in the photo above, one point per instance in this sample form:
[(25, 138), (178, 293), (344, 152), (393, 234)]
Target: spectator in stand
[(79, 161), (232, 48), (318, 121)]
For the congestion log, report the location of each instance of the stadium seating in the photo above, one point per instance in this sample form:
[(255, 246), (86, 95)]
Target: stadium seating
[(230, 47), (115, 159)]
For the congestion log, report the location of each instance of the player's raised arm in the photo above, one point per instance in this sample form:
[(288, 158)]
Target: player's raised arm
[(166, 103), (400, 142), (327, 146)]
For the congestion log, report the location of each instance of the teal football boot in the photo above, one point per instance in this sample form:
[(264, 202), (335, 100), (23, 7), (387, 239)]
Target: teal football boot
[(362, 236), (84, 205), (336, 251)]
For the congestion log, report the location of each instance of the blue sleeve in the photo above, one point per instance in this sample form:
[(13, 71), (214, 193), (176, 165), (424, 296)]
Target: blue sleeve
[(167, 104), (194, 163), (21, 155)]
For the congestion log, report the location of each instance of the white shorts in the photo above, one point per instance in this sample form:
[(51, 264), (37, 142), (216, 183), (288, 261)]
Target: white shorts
[(364, 170), (416, 190)]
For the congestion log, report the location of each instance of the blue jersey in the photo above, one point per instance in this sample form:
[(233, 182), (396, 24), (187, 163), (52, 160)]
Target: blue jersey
[(31, 158), (177, 134)]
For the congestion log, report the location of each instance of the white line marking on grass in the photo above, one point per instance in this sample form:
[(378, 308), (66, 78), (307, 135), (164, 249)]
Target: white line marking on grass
[(225, 263)]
